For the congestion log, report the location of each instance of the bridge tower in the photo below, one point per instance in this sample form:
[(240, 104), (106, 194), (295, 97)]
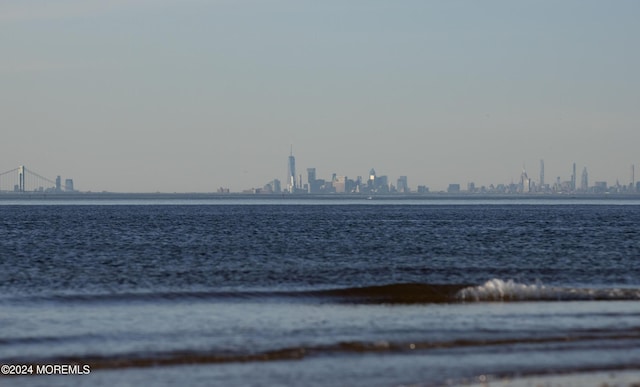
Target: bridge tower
[(21, 173)]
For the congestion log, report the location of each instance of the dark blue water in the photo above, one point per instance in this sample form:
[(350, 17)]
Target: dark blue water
[(354, 294), (111, 249)]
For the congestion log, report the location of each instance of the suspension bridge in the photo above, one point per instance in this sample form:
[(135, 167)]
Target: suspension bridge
[(21, 179)]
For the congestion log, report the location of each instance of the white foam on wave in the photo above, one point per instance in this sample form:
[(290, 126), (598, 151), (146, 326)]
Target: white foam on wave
[(500, 290)]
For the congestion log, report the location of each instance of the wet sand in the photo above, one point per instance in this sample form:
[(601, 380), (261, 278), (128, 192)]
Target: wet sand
[(199, 375), (627, 378)]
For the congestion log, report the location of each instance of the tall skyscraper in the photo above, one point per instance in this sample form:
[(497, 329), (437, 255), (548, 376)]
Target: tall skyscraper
[(542, 174), (573, 178), (525, 182), (291, 178), (68, 185), (372, 178), (403, 186), (584, 186), (311, 175)]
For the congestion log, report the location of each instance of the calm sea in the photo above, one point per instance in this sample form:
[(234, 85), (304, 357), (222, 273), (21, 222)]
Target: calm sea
[(318, 293)]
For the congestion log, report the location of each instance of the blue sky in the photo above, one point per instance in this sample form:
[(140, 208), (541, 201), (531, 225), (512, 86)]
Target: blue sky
[(188, 96)]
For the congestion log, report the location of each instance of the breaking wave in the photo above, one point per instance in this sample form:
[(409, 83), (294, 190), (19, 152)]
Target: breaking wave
[(500, 290), (495, 290)]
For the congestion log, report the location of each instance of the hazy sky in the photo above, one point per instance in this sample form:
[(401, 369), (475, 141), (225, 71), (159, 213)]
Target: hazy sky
[(188, 96)]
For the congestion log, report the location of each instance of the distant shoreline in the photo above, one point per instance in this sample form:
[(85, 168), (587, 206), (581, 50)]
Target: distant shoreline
[(26, 196)]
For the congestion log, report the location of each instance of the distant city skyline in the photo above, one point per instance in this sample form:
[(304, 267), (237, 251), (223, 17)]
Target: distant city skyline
[(375, 183), (578, 180), (188, 96)]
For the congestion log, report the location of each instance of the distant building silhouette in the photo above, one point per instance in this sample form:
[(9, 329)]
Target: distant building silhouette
[(584, 184), (291, 177), (403, 186)]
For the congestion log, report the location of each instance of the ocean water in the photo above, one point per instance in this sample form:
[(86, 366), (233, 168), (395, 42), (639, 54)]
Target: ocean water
[(320, 293)]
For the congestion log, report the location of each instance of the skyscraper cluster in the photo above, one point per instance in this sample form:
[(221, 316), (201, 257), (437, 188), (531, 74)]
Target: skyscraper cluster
[(380, 184)]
